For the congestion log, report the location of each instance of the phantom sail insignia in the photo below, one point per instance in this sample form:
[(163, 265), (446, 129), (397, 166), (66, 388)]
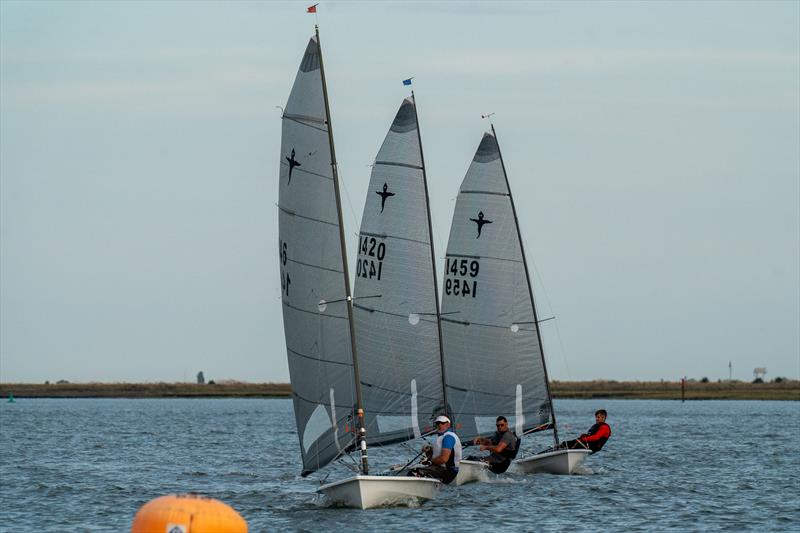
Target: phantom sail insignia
[(318, 309), (494, 359)]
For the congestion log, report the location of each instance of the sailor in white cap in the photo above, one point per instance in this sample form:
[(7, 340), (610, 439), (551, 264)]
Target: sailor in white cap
[(444, 456)]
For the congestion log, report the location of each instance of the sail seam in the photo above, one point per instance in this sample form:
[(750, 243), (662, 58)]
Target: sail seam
[(396, 164), (485, 192), (304, 171), (298, 354), (320, 315), (386, 236), (371, 310), (308, 118), (465, 323), (303, 121), (295, 261), (486, 257), (393, 391), (394, 440), (294, 214), (474, 391), (304, 399)]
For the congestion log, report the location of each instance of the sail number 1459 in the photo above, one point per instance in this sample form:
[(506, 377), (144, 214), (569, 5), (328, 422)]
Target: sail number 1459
[(460, 277)]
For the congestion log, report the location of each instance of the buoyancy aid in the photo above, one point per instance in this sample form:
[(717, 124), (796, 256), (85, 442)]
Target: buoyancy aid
[(455, 455), (597, 436), (508, 452)]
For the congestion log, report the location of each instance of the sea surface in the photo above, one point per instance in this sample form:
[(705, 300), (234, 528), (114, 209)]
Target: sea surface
[(89, 464)]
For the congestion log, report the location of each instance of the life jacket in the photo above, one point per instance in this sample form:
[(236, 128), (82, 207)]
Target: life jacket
[(455, 455), (506, 454), (597, 445)]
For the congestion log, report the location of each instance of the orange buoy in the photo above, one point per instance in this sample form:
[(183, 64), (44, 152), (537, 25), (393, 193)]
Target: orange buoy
[(187, 513)]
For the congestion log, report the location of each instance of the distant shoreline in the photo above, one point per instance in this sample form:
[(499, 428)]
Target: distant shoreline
[(643, 390)]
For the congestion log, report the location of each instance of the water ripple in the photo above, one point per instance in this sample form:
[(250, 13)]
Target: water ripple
[(88, 465)]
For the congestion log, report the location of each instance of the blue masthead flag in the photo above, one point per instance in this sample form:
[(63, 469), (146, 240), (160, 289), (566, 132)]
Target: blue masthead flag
[(408, 81)]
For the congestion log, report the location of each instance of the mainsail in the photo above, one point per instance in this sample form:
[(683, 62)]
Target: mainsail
[(313, 273), (396, 307), (493, 351)]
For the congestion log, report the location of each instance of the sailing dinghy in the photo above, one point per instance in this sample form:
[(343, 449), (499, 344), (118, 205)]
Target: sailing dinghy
[(398, 326), (494, 358), (396, 308), (317, 302)]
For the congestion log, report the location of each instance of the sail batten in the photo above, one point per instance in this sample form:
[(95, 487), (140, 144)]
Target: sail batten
[(500, 259), (305, 118), (310, 173), (398, 164), (494, 366)]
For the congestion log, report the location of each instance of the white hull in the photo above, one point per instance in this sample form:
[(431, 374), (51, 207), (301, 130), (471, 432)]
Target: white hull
[(366, 492), (471, 471), (557, 462)]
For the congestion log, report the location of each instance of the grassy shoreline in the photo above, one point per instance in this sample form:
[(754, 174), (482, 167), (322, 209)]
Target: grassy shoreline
[(644, 390)]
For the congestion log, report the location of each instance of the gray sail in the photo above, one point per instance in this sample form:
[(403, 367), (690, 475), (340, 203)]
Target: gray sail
[(395, 305), (315, 319), (493, 356)]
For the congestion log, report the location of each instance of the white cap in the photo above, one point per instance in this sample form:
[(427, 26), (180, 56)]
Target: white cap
[(442, 418)]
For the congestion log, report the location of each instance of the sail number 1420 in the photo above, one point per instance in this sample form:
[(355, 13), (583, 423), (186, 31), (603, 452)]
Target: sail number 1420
[(371, 252)]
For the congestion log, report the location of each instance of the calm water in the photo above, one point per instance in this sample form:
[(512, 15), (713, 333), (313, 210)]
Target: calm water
[(88, 465)]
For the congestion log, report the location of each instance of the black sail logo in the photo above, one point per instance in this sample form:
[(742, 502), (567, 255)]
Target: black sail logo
[(292, 163), (384, 195), (480, 221)]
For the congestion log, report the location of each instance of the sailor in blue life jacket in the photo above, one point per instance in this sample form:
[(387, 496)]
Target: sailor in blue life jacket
[(443, 457), (503, 445)]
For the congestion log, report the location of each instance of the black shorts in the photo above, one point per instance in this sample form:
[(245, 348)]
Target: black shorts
[(436, 472)]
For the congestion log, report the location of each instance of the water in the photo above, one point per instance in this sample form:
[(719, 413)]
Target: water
[(88, 465)]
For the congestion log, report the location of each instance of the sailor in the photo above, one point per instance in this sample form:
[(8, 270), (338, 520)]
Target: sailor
[(443, 457), (503, 446), (595, 438)]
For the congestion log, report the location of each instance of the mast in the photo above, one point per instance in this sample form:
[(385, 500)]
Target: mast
[(530, 288), (361, 439), (433, 261)]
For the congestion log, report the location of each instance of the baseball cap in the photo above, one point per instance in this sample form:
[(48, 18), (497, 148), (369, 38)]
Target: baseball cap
[(442, 418)]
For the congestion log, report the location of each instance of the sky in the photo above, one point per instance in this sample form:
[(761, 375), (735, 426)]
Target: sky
[(653, 149)]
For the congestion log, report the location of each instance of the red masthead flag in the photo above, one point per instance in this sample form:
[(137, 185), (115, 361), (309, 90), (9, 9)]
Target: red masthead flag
[(312, 9)]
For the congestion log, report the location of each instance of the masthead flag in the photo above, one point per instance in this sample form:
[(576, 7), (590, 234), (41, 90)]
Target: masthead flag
[(312, 9), (408, 81)]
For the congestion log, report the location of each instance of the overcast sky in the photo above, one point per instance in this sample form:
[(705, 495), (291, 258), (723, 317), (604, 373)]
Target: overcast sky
[(652, 148)]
